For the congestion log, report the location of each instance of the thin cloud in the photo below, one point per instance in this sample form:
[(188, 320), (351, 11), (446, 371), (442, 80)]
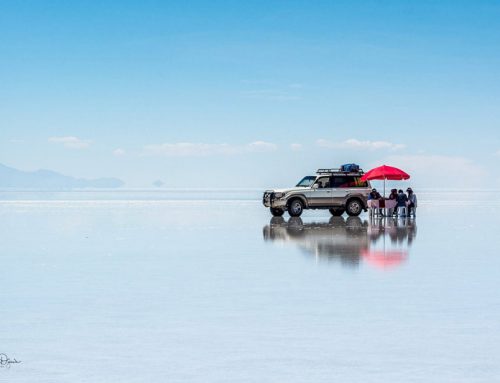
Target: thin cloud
[(186, 149), (355, 144), (119, 152), (458, 171), (71, 142), (497, 153), (296, 147), (261, 146), (199, 149)]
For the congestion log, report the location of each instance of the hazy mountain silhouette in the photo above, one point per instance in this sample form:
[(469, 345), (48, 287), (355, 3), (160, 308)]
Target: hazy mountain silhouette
[(48, 179)]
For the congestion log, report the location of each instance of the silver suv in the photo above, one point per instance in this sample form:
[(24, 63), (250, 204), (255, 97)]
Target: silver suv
[(331, 189)]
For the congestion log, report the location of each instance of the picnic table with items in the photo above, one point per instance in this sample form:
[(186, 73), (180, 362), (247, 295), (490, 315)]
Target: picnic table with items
[(382, 203)]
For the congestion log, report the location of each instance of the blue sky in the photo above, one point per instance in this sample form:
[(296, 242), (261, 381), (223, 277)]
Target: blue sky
[(265, 91)]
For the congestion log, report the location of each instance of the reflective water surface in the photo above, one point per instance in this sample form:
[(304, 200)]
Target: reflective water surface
[(141, 287), (348, 241)]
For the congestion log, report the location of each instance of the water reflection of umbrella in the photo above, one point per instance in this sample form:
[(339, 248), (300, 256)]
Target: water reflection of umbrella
[(384, 259), (385, 172)]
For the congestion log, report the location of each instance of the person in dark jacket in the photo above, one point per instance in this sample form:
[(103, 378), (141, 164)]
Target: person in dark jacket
[(394, 194), (401, 199), (374, 194)]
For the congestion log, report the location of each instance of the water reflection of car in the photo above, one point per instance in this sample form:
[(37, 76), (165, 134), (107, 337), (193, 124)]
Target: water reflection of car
[(346, 241)]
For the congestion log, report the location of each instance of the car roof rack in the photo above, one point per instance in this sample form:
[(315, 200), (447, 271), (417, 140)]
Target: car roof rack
[(339, 172)]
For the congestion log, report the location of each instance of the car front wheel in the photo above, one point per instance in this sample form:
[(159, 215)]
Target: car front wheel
[(354, 207), (295, 208)]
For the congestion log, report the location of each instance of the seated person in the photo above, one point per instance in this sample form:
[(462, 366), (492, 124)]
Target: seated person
[(375, 195), (412, 202), (393, 196), (402, 199)]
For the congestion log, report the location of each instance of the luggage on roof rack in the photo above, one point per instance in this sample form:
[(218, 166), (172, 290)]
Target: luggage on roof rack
[(351, 168)]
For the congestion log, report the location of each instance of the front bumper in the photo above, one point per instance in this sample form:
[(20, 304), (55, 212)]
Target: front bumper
[(269, 200)]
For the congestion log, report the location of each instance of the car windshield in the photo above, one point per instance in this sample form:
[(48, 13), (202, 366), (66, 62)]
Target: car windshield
[(306, 181)]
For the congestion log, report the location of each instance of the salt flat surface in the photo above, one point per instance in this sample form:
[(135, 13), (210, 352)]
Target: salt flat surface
[(154, 287)]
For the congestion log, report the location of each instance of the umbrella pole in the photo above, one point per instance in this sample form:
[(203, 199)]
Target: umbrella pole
[(385, 211), (384, 239)]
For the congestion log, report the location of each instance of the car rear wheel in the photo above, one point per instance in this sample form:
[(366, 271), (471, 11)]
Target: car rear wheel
[(295, 208), (337, 211), (354, 207), (276, 212)]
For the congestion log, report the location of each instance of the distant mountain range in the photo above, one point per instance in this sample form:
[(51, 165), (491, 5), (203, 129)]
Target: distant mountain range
[(48, 179)]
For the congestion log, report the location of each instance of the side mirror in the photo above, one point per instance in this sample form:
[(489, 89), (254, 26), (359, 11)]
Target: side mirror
[(315, 186)]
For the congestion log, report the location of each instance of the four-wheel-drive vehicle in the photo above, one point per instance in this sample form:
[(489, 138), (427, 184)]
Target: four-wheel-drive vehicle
[(333, 189)]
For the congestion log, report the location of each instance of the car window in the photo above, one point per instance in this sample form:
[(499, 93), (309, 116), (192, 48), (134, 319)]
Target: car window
[(306, 181), (348, 182), (323, 182), (357, 183)]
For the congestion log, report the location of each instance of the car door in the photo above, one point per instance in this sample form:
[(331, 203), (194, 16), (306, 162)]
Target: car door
[(358, 188), (340, 190), (321, 193)]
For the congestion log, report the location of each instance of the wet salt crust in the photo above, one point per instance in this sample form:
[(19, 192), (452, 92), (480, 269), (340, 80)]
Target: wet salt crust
[(156, 287)]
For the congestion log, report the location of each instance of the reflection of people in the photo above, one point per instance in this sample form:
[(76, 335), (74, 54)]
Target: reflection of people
[(412, 202), (401, 231), (345, 241), (401, 203)]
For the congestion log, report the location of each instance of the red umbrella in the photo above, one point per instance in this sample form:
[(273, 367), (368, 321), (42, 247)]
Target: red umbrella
[(385, 172)]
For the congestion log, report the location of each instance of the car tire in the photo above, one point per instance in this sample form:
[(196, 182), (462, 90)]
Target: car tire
[(276, 212), (295, 207), (337, 211), (354, 207)]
